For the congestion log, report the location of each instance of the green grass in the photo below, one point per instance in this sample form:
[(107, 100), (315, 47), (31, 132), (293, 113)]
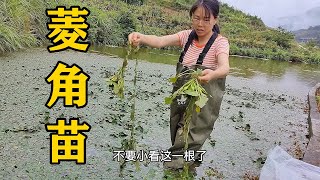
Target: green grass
[(19, 26), (22, 25)]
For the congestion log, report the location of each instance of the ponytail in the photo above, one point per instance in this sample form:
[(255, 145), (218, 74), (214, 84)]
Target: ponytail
[(216, 29)]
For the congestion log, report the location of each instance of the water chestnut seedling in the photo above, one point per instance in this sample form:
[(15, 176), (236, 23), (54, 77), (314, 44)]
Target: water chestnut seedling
[(117, 80)]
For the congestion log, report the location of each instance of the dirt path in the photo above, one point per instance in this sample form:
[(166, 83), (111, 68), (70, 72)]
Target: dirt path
[(253, 119)]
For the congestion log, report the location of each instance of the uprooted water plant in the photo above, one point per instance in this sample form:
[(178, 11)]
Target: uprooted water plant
[(116, 82), (192, 89), (197, 99)]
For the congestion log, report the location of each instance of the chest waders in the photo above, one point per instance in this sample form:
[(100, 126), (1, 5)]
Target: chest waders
[(201, 124)]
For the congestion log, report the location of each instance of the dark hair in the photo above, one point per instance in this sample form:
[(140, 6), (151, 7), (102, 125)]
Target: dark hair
[(210, 7)]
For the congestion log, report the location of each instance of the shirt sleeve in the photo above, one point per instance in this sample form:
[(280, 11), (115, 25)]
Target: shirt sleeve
[(222, 46), (183, 37)]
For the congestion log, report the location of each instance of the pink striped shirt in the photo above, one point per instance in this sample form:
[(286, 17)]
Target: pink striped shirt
[(219, 46)]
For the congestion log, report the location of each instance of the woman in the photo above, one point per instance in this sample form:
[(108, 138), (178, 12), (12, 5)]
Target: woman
[(206, 49)]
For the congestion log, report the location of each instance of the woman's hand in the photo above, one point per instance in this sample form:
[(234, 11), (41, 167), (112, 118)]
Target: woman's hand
[(221, 72), (135, 38), (206, 76)]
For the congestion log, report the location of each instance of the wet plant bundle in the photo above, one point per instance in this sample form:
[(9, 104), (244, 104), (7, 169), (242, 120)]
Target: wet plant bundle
[(117, 80), (117, 83), (195, 93), (191, 89), (197, 99)]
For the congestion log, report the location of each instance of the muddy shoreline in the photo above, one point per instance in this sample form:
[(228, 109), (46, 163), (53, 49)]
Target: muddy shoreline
[(253, 119)]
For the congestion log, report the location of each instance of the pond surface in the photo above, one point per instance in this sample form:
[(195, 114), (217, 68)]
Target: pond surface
[(262, 107), (281, 75)]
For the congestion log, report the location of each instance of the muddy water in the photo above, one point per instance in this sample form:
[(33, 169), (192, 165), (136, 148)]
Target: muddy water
[(258, 112)]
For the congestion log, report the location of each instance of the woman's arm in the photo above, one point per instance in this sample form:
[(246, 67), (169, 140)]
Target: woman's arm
[(221, 72), (154, 41)]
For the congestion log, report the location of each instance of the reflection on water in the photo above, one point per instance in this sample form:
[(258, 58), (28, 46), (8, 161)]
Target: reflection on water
[(154, 55), (299, 78)]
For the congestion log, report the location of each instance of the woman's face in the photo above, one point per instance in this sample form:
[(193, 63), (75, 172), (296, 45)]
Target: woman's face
[(201, 23)]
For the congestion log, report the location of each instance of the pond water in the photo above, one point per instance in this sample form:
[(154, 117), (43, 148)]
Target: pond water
[(259, 110), (286, 76)]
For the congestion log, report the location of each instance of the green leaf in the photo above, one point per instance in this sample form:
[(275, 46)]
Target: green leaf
[(199, 71), (173, 79), (124, 64), (110, 83), (121, 83), (114, 78), (198, 109), (186, 87), (191, 93), (202, 100), (168, 100), (193, 87), (115, 88)]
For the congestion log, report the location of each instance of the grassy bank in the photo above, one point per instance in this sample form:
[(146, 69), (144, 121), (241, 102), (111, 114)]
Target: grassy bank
[(21, 25)]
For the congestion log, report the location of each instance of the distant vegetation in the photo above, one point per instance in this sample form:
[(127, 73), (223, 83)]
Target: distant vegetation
[(311, 36), (21, 26)]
